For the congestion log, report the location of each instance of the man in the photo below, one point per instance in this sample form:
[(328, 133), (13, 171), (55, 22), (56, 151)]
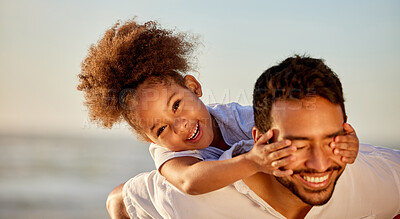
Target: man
[(301, 100)]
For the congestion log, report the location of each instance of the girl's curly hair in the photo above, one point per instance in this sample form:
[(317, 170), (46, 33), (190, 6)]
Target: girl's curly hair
[(128, 55)]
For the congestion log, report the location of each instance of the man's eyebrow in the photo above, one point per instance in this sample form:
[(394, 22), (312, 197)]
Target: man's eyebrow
[(300, 138), (294, 138), (340, 132)]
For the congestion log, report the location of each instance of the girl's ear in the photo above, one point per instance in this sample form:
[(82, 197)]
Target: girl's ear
[(192, 84)]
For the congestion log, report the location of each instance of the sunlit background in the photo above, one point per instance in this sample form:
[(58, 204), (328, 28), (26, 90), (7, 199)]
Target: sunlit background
[(55, 164)]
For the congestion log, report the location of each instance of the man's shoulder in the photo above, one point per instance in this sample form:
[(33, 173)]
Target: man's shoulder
[(368, 187), (149, 195), (379, 155), (379, 162), (142, 196)]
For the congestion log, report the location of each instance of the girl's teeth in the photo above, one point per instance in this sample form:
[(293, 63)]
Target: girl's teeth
[(315, 179), (196, 131)]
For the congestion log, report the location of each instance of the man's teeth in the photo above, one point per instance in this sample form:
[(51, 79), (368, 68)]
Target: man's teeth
[(315, 179), (194, 135)]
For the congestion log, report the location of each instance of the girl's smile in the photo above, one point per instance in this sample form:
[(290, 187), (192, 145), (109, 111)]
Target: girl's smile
[(173, 116), (196, 134)]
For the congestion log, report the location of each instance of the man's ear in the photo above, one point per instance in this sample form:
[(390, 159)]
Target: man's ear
[(192, 84), (256, 134)]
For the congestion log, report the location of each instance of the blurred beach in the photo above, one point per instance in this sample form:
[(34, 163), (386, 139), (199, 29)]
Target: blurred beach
[(65, 177)]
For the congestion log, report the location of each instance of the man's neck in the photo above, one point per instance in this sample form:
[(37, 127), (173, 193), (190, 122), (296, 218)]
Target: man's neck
[(277, 196)]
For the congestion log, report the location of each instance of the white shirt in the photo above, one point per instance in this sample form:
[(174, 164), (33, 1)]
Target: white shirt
[(235, 122), (369, 188)]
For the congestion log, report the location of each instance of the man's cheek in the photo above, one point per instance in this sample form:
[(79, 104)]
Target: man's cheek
[(299, 162)]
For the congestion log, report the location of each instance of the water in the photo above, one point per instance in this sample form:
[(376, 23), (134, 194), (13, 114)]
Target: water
[(57, 177)]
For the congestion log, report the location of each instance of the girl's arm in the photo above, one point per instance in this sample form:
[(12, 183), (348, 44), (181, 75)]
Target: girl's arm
[(195, 177)]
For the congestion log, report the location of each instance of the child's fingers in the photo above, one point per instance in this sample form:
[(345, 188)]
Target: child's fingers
[(282, 173), (278, 154), (283, 162), (345, 153), (346, 138), (277, 146), (349, 135), (348, 160), (265, 137), (345, 145), (348, 128)]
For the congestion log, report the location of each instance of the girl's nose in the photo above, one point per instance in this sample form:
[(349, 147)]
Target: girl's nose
[(180, 124)]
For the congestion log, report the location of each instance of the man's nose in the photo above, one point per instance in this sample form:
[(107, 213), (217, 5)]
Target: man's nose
[(180, 124), (319, 159)]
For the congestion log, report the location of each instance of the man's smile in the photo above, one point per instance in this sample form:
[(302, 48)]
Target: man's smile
[(315, 181)]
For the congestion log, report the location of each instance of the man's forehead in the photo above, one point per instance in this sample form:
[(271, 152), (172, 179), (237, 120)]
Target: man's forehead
[(306, 115), (308, 103), (305, 104)]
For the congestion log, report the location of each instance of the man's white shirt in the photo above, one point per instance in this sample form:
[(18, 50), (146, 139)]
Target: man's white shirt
[(369, 188)]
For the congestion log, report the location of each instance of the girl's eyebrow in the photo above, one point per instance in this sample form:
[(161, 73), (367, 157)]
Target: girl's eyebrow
[(151, 129), (170, 98), (168, 103)]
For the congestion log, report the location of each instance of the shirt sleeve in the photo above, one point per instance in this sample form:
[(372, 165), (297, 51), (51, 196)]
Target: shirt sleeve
[(137, 200), (392, 159), (145, 196), (235, 121), (161, 155), (383, 164)]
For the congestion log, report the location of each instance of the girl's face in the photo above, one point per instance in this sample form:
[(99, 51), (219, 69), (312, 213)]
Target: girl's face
[(173, 116)]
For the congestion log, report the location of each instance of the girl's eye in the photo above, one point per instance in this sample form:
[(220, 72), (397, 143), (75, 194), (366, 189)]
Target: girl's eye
[(176, 105), (160, 130)]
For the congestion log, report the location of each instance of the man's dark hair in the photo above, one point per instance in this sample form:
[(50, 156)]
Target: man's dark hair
[(295, 78)]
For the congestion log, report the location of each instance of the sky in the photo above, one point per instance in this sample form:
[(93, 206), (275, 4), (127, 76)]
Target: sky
[(43, 42)]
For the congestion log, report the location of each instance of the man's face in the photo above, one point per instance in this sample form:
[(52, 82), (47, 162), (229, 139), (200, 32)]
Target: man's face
[(311, 124)]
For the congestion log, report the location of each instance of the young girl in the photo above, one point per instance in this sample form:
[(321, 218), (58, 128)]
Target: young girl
[(136, 73)]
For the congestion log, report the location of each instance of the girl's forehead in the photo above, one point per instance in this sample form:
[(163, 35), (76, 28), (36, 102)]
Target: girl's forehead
[(157, 91)]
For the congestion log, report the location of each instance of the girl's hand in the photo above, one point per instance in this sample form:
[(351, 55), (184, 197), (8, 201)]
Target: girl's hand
[(271, 158), (346, 145)]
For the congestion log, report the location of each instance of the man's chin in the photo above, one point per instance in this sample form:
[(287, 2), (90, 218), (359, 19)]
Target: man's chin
[(316, 198), (310, 197)]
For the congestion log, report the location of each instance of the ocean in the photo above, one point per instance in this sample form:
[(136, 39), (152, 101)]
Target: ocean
[(64, 177)]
